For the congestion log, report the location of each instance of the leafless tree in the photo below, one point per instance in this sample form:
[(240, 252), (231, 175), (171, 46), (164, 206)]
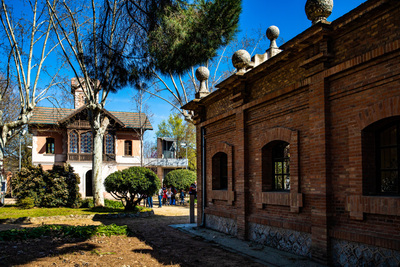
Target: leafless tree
[(145, 116), (181, 88), (28, 44), (95, 51)]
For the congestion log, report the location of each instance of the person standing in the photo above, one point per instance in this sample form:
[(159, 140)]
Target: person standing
[(169, 195), (164, 195), (150, 201), (160, 197), (193, 190), (182, 197)]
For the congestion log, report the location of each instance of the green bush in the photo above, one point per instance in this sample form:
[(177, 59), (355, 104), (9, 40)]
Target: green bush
[(113, 204), (55, 188), (125, 185), (87, 203), (26, 203), (180, 179), (108, 203)]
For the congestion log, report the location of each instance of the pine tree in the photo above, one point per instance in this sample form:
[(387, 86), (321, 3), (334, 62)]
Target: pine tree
[(190, 34)]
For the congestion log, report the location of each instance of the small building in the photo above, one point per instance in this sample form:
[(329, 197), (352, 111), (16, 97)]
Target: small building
[(300, 149), (167, 159), (63, 135)]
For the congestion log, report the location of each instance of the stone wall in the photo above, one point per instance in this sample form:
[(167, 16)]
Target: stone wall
[(283, 239), (221, 224), (345, 253)]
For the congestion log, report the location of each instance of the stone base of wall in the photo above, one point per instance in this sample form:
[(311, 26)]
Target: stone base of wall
[(345, 253), (283, 239), (221, 224)]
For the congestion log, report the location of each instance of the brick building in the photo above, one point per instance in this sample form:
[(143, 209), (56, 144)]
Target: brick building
[(300, 149)]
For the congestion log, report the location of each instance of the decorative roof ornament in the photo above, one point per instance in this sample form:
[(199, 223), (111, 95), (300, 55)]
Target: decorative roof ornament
[(202, 74), (241, 60), (272, 35), (318, 10)]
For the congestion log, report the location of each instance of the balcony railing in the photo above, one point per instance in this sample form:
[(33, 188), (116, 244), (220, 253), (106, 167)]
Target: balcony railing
[(89, 157), (168, 154), (165, 162)]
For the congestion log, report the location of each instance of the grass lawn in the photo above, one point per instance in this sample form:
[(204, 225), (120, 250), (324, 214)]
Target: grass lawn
[(9, 212)]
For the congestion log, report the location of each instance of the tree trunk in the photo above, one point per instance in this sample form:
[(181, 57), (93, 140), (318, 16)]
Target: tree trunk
[(3, 140), (99, 127), (98, 197)]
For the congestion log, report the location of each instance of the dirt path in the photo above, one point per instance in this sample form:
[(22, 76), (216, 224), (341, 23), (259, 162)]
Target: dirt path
[(153, 243)]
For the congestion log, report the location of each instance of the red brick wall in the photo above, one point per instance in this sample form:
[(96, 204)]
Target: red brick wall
[(319, 94)]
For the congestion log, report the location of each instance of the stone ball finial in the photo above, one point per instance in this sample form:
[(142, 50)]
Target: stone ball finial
[(202, 74), (241, 60), (272, 35), (318, 10)]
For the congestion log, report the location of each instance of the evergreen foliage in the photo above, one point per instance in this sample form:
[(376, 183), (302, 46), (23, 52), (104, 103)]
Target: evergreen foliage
[(190, 34), (180, 179), (55, 188), (26, 203), (128, 184)]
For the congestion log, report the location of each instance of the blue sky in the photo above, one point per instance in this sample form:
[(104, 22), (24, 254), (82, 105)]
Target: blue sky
[(288, 15)]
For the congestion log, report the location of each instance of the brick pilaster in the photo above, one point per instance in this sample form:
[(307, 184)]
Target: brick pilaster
[(319, 182), (241, 183)]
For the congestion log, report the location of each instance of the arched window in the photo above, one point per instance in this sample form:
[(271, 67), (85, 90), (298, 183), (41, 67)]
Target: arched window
[(276, 166), (86, 142), (381, 157), (109, 144), (220, 171), (73, 142), (388, 149)]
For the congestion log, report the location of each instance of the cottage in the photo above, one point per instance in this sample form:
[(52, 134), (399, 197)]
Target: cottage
[(63, 135)]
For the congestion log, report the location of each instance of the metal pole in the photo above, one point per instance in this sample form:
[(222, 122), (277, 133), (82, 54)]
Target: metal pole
[(191, 216)]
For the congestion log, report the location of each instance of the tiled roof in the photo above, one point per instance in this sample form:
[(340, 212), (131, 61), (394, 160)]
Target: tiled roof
[(131, 119), (44, 115)]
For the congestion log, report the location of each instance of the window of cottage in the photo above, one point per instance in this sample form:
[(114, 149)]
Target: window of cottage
[(128, 148), (276, 166), (86, 142), (73, 142), (109, 144), (220, 171), (388, 155), (50, 146)]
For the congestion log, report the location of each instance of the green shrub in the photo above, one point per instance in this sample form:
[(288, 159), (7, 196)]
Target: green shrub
[(55, 188), (26, 203), (87, 203), (180, 179), (113, 204), (127, 184), (108, 203)]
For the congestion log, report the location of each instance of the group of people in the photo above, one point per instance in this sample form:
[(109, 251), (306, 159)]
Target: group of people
[(169, 196)]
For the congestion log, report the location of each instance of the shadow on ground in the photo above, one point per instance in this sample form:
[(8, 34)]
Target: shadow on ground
[(152, 242)]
